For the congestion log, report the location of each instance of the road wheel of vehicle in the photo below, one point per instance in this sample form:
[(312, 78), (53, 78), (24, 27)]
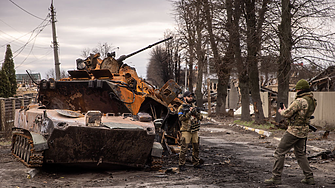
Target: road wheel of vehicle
[(22, 148), (156, 164), (23, 143), (17, 142), (15, 146), (28, 153), (19, 147)]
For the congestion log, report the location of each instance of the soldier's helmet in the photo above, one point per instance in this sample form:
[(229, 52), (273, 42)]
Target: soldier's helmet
[(301, 85)]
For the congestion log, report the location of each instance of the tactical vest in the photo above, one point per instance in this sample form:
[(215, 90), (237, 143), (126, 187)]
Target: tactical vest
[(310, 110), (311, 107)]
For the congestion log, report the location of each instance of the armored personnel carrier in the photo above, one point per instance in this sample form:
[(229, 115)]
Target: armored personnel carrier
[(103, 114)]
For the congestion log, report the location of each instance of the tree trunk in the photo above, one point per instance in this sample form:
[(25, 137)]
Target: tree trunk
[(245, 99), (176, 65), (252, 43), (200, 54), (222, 69), (285, 36), (190, 67), (241, 67), (199, 84), (223, 81), (190, 75)]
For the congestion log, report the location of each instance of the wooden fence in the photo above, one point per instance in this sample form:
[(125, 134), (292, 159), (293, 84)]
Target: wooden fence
[(7, 110)]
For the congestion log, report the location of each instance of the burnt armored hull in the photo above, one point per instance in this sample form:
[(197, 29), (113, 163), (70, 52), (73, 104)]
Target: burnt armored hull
[(103, 113), (85, 95), (107, 96), (99, 146), (116, 140)]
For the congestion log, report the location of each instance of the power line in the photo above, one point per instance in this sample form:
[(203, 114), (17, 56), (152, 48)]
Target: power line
[(7, 24), (17, 38), (10, 41), (40, 28), (32, 32), (30, 39), (31, 49), (25, 10)]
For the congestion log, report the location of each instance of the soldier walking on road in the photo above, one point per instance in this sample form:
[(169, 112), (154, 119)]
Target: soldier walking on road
[(190, 124), (298, 115)]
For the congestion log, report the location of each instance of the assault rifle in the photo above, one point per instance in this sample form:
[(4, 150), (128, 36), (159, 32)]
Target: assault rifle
[(311, 127), (187, 107)]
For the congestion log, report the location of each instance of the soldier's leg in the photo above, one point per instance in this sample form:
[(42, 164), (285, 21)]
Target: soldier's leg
[(284, 146), (300, 154), (195, 149), (185, 140)]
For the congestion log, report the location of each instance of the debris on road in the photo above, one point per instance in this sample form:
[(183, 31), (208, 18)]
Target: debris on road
[(32, 173), (259, 131), (324, 155)]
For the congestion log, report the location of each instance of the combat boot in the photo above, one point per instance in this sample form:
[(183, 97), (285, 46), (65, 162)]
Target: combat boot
[(197, 166), (309, 181), (182, 168), (273, 181)]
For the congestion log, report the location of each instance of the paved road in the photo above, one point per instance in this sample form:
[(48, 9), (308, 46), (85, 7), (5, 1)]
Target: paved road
[(233, 158)]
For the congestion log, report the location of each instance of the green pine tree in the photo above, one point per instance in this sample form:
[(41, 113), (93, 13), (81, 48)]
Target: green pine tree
[(8, 67), (4, 84)]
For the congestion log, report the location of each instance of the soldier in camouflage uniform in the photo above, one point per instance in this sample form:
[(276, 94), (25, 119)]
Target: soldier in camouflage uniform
[(298, 115), (190, 124)]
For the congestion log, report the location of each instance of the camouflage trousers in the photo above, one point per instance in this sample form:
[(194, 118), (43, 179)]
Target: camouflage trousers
[(186, 138), (286, 144)]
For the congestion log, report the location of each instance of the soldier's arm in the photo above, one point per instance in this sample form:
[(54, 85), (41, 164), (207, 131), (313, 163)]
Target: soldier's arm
[(292, 109), (182, 116), (199, 116)]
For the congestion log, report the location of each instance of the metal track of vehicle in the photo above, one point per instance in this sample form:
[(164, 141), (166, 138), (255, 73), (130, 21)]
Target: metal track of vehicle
[(156, 164), (23, 149)]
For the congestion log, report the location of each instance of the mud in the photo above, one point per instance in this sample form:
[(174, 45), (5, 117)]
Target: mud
[(233, 157)]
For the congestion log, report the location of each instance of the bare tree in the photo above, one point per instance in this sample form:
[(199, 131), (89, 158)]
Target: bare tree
[(85, 53), (303, 39), (254, 33), (158, 65), (240, 63), (51, 74), (285, 59), (185, 17), (173, 48), (200, 51), (102, 49), (218, 15), (256, 38)]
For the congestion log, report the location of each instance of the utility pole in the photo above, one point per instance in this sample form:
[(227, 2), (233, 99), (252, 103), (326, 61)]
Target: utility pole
[(55, 44)]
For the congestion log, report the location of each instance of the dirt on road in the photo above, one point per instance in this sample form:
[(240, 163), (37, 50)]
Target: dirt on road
[(233, 157)]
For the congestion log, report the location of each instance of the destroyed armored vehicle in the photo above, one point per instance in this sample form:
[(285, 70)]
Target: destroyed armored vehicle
[(103, 114)]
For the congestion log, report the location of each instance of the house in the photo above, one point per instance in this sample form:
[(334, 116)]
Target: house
[(24, 79)]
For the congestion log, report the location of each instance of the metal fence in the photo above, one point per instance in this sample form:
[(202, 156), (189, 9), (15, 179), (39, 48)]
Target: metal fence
[(7, 111)]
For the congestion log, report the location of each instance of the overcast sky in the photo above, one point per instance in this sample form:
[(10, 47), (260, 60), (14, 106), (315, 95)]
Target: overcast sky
[(127, 24)]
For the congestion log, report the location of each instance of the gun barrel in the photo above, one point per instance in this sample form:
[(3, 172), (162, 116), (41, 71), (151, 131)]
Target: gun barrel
[(314, 129), (120, 59)]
